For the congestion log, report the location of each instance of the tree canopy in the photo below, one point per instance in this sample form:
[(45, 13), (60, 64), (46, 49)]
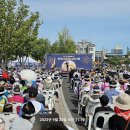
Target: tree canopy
[(18, 29), (19, 34)]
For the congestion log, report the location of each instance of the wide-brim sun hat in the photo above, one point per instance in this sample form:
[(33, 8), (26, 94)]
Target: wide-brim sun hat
[(16, 90), (96, 89), (87, 89), (123, 101), (48, 79), (33, 109), (113, 84), (96, 81)]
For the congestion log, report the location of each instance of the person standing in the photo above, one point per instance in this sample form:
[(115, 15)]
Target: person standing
[(67, 65)]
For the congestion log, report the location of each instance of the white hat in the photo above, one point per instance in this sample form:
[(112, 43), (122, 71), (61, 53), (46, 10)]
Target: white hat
[(17, 79), (123, 101), (16, 90), (87, 88), (2, 82), (48, 79)]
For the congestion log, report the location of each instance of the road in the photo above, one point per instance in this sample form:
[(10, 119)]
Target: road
[(72, 103)]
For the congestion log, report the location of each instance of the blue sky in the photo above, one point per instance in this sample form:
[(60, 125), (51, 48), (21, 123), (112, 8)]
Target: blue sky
[(106, 23)]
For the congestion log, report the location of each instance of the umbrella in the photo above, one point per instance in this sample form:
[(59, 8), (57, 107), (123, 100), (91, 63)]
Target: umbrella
[(28, 75)]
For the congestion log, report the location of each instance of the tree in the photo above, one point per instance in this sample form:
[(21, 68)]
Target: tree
[(41, 47), (18, 29), (55, 47), (65, 42)]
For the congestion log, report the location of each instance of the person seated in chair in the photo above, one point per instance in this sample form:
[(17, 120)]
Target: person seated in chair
[(95, 93), (121, 120), (17, 98), (104, 100), (112, 92)]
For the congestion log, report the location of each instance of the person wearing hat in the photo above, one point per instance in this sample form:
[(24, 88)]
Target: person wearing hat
[(85, 88), (105, 85), (97, 82), (33, 92), (48, 83), (3, 93), (112, 92), (23, 85), (121, 120), (3, 98), (87, 80), (24, 122), (104, 100), (16, 98), (95, 93)]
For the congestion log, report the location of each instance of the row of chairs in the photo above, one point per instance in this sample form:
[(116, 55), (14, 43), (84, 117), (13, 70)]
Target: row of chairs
[(90, 105)]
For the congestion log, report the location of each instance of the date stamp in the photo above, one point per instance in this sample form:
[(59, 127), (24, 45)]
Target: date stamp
[(63, 119)]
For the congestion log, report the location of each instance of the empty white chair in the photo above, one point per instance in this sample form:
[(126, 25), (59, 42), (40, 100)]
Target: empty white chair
[(106, 115)]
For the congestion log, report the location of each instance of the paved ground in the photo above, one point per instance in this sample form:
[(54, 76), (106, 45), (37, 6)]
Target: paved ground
[(72, 103), (63, 111)]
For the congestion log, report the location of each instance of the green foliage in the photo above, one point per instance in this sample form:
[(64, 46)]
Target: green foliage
[(18, 29), (19, 34), (41, 47), (65, 43)]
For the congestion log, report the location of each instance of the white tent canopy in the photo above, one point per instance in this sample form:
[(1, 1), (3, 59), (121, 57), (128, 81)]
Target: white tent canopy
[(26, 60)]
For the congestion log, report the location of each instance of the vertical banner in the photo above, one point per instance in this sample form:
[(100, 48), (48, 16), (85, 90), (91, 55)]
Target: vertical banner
[(69, 61)]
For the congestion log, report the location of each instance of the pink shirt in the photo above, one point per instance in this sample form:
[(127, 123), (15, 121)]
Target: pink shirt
[(16, 98)]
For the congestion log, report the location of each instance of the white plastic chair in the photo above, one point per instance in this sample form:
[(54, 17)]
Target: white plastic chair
[(49, 98), (69, 128), (106, 115), (90, 110), (76, 87), (81, 103), (8, 118)]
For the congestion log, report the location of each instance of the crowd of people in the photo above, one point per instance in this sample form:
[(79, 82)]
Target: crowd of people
[(27, 101), (108, 91)]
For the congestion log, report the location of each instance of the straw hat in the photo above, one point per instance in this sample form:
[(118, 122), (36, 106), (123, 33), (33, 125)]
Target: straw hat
[(48, 79), (123, 101)]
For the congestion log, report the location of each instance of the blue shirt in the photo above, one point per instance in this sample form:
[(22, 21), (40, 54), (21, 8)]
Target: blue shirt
[(110, 93)]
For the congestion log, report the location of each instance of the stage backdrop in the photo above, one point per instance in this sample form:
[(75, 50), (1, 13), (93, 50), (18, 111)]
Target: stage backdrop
[(79, 61)]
